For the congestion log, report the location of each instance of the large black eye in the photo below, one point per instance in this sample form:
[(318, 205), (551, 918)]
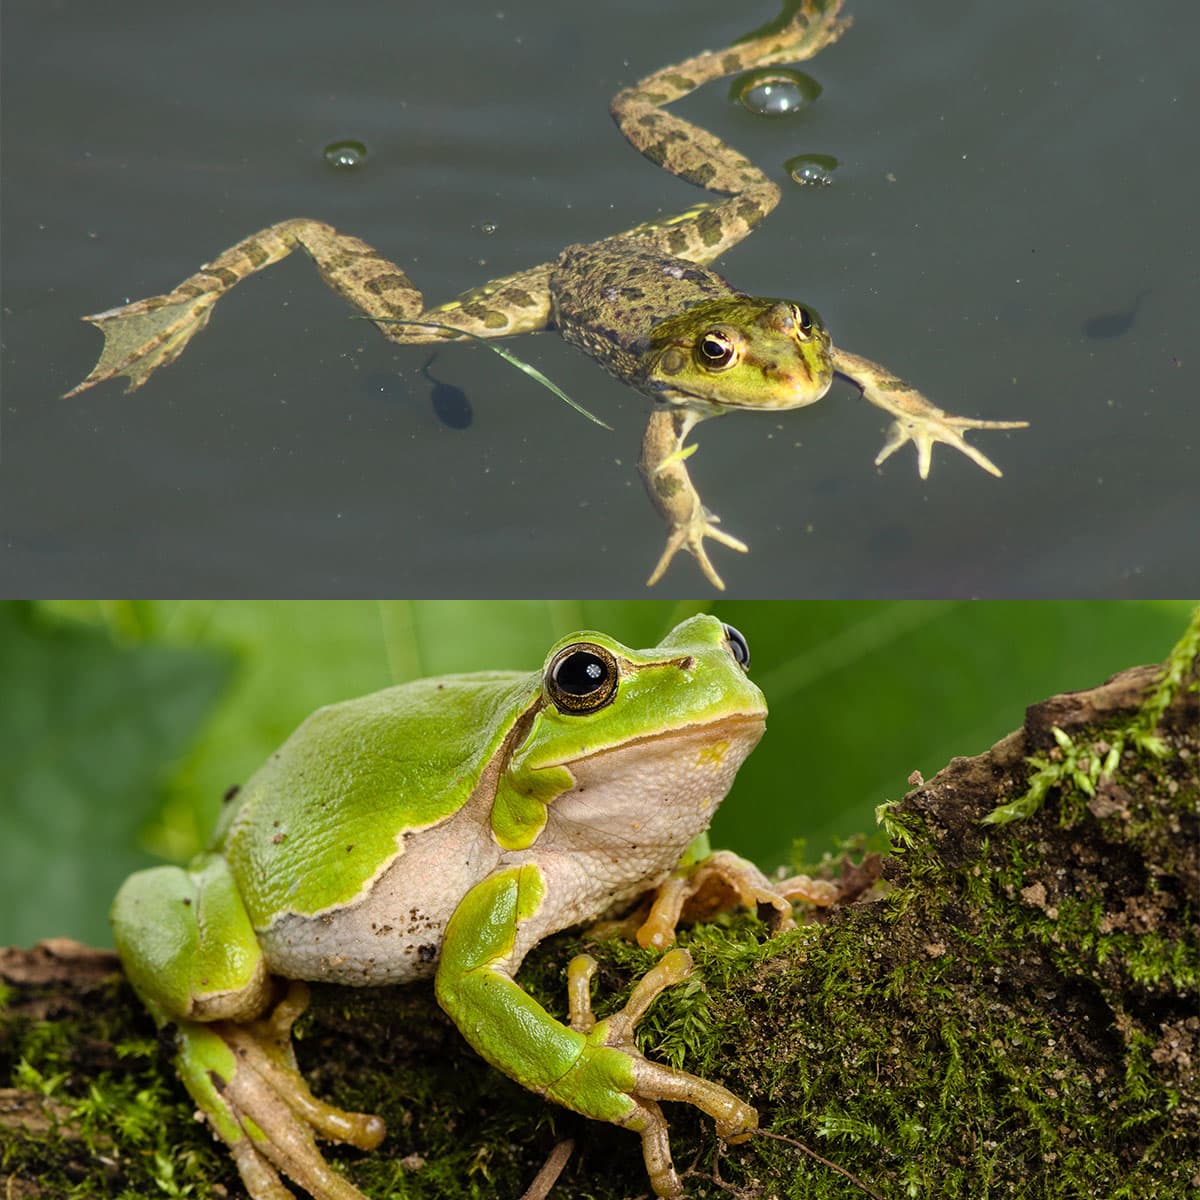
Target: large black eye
[(715, 349), (739, 646), (582, 678), (804, 322)]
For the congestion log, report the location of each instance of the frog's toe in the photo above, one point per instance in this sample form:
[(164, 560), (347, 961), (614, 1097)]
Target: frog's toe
[(720, 883), (926, 431), (245, 1081), (653, 1081), (143, 336), (279, 1139), (690, 536), (650, 1123)]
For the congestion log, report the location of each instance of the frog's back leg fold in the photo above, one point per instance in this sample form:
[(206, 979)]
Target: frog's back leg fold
[(187, 944), (704, 232), (148, 334)]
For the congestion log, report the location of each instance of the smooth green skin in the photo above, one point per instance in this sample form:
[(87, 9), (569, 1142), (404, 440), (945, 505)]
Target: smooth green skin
[(520, 1037), (401, 762)]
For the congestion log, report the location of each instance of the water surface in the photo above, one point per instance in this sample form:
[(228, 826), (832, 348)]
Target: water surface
[(1011, 226)]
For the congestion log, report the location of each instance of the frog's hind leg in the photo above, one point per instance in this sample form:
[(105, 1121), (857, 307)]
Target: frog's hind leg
[(148, 334), (704, 232), (189, 948)]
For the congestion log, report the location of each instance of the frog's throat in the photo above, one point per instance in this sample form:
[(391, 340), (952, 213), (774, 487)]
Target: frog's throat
[(701, 407)]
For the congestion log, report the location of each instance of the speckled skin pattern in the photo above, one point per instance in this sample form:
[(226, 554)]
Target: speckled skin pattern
[(606, 297)]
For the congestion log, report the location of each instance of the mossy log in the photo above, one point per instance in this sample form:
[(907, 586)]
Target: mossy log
[(1005, 1007)]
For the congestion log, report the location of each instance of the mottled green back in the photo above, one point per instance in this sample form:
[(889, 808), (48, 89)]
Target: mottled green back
[(608, 296)]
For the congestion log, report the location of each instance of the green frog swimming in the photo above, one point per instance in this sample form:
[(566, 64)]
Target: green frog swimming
[(642, 303)]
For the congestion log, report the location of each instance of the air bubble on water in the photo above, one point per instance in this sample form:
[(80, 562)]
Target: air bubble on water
[(345, 156), (811, 170), (774, 91)]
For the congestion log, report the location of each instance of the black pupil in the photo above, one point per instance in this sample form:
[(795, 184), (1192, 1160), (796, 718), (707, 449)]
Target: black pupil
[(714, 348), (804, 320), (580, 674)]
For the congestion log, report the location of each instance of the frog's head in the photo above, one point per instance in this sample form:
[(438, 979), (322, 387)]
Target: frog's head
[(631, 750), (740, 352), (697, 675)]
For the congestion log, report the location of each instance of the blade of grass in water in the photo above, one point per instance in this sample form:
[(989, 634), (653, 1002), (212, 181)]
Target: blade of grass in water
[(680, 455), (505, 354)]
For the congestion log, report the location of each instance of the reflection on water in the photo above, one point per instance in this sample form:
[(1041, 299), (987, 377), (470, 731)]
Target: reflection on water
[(451, 405), (1114, 324)]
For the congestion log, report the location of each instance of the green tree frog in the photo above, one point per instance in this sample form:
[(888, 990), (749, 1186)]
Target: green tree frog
[(441, 829)]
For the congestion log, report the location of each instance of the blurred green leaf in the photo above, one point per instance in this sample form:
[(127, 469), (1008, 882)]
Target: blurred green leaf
[(295, 656), (862, 694), (88, 731)]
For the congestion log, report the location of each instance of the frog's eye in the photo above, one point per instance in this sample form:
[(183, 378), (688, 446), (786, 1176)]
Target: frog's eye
[(582, 678), (715, 350), (804, 322), (738, 646)]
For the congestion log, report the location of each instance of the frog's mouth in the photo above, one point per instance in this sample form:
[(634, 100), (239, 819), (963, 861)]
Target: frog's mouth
[(776, 387), (729, 727)]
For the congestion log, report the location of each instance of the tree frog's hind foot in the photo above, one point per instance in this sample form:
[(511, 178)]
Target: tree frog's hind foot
[(244, 1079), (735, 1119)]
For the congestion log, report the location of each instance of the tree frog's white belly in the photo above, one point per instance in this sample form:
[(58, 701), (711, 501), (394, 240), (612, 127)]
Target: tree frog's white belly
[(394, 933), (619, 831)]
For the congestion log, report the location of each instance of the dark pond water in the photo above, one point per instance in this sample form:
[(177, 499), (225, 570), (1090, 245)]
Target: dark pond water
[(1011, 226)]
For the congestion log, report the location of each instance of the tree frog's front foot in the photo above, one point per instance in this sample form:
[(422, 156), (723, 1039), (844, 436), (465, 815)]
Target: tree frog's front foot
[(644, 1082), (244, 1079)]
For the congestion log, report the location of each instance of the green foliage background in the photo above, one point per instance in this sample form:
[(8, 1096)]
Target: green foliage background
[(123, 723)]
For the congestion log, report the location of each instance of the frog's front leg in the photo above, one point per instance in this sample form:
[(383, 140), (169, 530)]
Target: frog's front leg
[(148, 334), (189, 950), (663, 465), (917, 420), (593, 1068)]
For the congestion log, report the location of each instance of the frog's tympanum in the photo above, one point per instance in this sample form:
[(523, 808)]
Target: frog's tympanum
[(643, 303), (441, 829)]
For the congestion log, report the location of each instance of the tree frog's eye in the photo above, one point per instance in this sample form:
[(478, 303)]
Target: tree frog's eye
[(804, 322), (738, 646), (582, 678), (715, 350)]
